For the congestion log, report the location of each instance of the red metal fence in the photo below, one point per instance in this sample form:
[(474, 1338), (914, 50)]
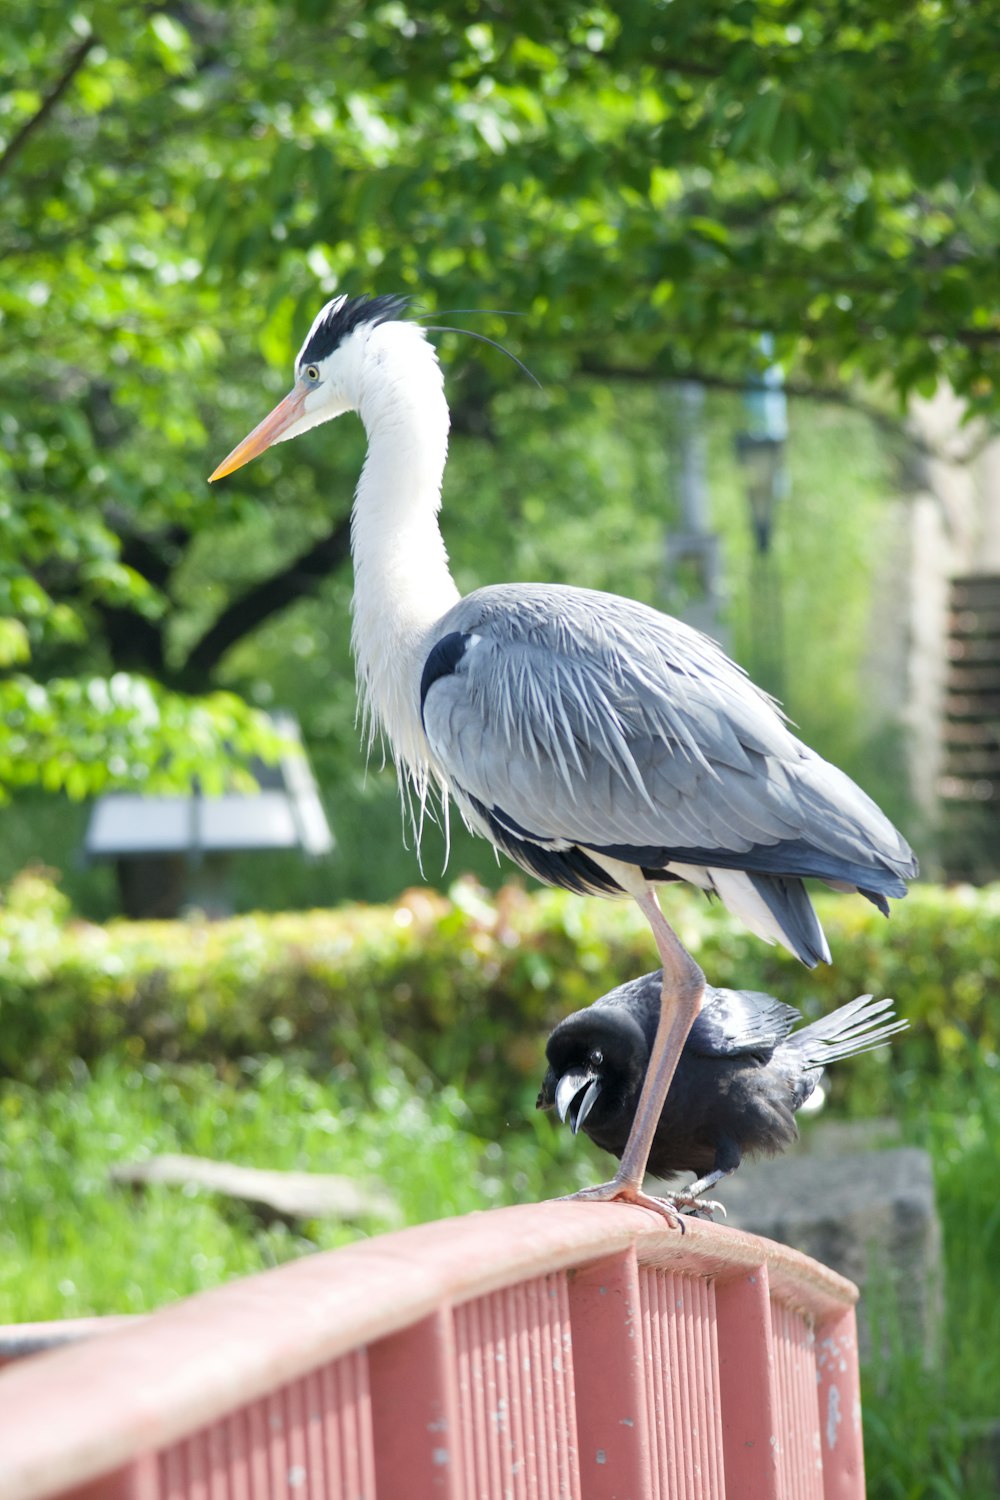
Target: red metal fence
[(572, 1350)]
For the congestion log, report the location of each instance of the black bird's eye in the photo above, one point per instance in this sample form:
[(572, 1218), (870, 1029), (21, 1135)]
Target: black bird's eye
[(596, 1058), (311, 372)]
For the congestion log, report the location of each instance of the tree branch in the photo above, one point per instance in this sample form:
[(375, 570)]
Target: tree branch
[(974, 337), (155, 555), (267, 598), (716, 382), (74, 63), (135, 643), (688, 66), (800, 390)]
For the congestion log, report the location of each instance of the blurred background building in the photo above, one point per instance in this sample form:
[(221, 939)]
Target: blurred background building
[(173, 854)]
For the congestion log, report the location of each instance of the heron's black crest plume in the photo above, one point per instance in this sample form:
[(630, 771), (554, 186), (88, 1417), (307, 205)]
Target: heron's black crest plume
[(348, 315), (469, 334)]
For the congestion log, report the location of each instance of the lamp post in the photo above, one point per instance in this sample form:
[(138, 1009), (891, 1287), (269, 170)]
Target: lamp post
[(760, 448), (693, 562)]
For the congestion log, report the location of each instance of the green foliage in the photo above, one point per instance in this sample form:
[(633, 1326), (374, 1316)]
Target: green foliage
[(470, 985), (654, 185), (83, 736)]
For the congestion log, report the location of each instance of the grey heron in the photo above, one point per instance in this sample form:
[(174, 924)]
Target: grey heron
[(603, 746)]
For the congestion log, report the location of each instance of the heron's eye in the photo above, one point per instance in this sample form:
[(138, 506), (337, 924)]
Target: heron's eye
[(311, 373), (596, 1058)]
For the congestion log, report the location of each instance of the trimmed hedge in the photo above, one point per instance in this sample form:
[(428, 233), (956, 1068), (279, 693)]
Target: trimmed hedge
[(467, 984)]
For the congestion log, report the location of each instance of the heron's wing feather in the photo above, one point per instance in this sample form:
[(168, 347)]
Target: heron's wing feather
[(581, 717)]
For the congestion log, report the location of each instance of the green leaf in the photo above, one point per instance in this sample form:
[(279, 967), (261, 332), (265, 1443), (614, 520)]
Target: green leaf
[(15, 645), (784, 139), (172, 43), (756, 128)]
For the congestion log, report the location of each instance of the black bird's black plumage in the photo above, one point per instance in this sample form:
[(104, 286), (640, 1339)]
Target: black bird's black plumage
[(742, 1076)]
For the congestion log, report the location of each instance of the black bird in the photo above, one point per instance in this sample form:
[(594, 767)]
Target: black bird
[(742, 1075)]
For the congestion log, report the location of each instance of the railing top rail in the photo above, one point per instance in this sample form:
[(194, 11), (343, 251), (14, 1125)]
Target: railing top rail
[(20, 1339), (144, 1385)]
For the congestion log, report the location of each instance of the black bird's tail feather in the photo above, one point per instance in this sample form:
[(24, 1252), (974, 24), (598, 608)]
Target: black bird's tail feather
[(860, 1026)]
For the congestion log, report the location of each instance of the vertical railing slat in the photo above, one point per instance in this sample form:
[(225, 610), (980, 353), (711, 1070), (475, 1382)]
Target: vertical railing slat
[(523, 1402), (318, 1477), (136, 1481), (668, 1391), (415, 1411), (296, 1455), (238, 1439), (677, 1311), (356, 1426), (544, 1388), (839, 1399), (333, 1447), (610, 1381), (713, 1398), (747, 1387), (569, 1488)]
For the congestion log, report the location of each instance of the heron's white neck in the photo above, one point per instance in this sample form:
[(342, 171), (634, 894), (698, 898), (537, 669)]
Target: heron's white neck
[(402, 583)]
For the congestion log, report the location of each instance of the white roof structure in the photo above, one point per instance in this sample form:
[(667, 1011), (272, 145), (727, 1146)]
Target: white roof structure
[(285, 813)]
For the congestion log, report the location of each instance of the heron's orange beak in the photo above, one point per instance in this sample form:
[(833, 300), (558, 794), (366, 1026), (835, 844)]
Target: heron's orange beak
[(265, 433)]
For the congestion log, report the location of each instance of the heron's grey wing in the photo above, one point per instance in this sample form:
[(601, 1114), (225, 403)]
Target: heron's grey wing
[(579, 718), (562, 713)]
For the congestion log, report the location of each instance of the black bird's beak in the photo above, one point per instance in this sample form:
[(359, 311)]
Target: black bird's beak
[(579, 1088)]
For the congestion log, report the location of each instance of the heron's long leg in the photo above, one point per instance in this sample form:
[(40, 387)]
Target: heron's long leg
[(680, 1001)]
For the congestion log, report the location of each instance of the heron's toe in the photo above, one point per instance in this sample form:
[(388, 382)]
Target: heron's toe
[(622, 1191)]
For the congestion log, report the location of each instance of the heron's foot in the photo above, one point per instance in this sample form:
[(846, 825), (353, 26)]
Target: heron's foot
[(698, 1208), (622, 1191)]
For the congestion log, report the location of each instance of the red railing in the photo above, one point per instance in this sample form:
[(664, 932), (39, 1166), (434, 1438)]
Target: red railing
[(577, 1350)]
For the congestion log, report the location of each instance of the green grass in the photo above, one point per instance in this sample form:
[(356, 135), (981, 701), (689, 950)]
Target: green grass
[(925, 1423), (70, 1243)]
